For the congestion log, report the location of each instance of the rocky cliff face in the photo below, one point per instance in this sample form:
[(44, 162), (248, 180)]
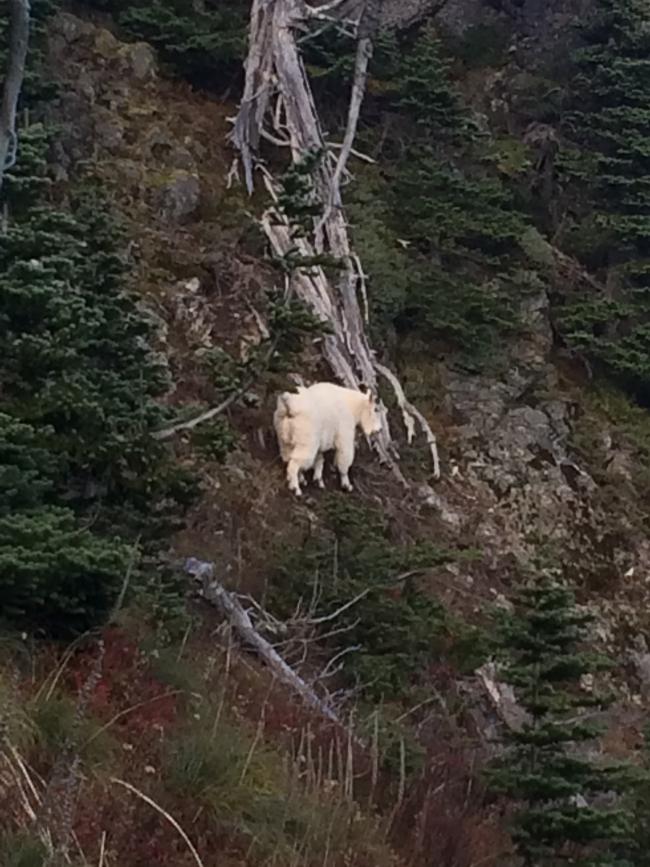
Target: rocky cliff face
[(535, 460), (532, 19), (540, 463), (519, 472)]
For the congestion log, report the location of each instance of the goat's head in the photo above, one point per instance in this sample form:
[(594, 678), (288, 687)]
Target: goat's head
[(370, 414)]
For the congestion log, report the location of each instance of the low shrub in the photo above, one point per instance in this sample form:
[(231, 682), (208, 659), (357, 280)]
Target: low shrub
[(396, 628)]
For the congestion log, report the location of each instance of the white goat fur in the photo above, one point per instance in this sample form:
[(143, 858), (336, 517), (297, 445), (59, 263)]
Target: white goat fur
[(318, 419)]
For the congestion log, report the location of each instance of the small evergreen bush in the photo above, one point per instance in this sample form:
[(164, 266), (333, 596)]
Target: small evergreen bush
[(543, 769), (424, 91), (204, 45), (55, 573), (397, 629)]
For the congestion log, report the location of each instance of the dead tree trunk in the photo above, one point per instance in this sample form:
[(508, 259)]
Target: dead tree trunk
[(19, 11), (278, 106)]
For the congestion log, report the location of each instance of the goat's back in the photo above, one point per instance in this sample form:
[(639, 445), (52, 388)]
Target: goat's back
[(315, 417)]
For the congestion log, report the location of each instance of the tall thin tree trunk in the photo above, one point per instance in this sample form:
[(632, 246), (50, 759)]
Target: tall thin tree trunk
[(278, 105), (19, 14)]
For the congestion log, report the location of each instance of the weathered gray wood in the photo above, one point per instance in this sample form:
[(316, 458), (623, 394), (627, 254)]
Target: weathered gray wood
[(231, 608), (275, 71), (19, 13)]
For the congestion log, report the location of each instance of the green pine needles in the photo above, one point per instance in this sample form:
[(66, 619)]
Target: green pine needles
[(454, 273), (80, 476), (561, 817), (423, 90), (606, 167), (204, 43)]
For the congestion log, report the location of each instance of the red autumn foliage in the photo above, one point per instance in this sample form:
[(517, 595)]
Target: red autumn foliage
[(443, 819), (444, 816), (126, 686)]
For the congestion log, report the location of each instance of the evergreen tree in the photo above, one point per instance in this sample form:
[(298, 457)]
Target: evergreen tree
[(463, 250), (544, 768), (606, 167), (205, 43), (424, 91), (462, 275), (639, 804), (80, 475)]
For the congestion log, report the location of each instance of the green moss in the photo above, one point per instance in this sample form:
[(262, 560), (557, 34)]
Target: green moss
[(537, 248), (510, 156)]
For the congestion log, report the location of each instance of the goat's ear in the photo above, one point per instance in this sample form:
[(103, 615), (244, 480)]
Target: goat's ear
[(369, 393)]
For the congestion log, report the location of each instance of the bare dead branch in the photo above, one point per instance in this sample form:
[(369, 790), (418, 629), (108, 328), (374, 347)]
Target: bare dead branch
[(214, 593), (331, 668), (168, 432), (102, 849), (278, 102), (353, 152), (364, 53), (410, 412), (343, 608), (203, 417), (19, 15)]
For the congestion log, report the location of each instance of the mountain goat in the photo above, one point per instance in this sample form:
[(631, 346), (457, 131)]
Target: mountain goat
[(317, 419)]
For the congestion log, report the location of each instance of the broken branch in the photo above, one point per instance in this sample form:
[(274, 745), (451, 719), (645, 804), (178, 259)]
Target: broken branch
[(19, 12), (274, 67), (410, 412), (214, 593)]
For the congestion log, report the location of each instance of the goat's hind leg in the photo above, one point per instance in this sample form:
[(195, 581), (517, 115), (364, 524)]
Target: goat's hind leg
[(318, 470)]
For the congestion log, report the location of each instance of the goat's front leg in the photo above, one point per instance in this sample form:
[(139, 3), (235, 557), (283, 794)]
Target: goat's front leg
[(344, 458), (294, 469)]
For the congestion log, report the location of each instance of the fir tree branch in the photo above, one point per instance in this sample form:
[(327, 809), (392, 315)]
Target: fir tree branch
[(168, 432)]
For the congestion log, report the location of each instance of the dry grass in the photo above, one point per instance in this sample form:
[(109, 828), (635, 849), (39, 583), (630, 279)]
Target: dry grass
[(162, 788)]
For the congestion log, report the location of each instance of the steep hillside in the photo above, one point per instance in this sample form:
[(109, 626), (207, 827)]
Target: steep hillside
[(500, 222)]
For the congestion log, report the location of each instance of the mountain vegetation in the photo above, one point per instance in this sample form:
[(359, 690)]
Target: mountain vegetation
[(195, 669)]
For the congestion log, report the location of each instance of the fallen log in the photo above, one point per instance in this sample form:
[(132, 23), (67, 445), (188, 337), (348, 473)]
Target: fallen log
[(231, 608)]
